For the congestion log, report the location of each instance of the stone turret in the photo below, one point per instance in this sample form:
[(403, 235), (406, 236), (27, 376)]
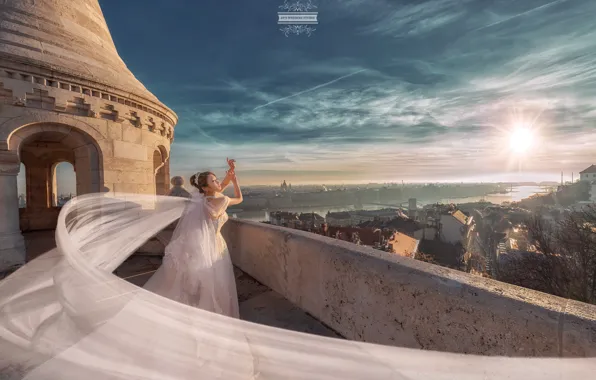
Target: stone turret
[(66, 95)]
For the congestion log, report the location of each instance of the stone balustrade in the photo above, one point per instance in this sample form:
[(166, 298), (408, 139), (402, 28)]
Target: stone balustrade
[(376, 297)]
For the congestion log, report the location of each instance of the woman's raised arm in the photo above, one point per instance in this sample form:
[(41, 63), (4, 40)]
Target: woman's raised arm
[(237, 192), (228, 179)]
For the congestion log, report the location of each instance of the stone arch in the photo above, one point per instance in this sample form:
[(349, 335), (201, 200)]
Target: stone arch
[(41, 147), (12, 126), (161, 170)]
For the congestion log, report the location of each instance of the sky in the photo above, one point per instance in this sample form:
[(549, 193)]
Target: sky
[(381, 90)]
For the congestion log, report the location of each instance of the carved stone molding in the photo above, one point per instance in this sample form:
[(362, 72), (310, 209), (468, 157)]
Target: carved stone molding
[(52, 84), (47, 91)]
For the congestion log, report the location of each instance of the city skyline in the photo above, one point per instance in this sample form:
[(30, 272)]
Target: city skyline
[(417, 91)]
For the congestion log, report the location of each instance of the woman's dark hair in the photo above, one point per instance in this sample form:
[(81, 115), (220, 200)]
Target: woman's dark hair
[(199, 180)]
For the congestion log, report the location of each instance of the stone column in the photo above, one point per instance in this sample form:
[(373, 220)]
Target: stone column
[(39, 183), (12, 244)]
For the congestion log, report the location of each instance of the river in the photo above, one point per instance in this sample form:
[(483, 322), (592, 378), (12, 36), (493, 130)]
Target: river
[(515, 195)]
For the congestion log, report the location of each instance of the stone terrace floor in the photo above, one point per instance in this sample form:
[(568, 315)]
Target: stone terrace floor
[(258, 303)]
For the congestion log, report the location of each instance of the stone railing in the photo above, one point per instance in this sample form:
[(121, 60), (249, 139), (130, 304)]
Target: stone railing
[(373, 296)]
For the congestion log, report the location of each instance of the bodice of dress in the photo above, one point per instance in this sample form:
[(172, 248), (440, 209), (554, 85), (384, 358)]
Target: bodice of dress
[(218, 224), (220, 221)]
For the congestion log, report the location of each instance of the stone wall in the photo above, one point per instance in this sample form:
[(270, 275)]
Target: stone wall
[(373, 296), (59, 68), (67, 96), (126, 138)]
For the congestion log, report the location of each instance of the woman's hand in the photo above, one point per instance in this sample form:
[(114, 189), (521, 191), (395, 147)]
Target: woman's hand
[(231, 164), (231, 173), (232, 176)]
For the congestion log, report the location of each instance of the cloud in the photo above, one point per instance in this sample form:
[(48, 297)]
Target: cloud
[(408, 20), (408, 89), (310, 89)]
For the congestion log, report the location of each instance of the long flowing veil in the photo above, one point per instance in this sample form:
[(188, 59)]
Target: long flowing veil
[(188, 258), (65, 316)]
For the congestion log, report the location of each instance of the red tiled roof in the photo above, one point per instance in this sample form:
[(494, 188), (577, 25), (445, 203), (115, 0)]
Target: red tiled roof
[(404, 245), (367, 236)]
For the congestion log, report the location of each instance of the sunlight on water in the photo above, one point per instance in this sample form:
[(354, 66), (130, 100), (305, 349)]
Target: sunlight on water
[(517, 194)]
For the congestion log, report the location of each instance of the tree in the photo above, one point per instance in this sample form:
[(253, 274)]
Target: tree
[(426, 258), (565, 264), (475, 262)]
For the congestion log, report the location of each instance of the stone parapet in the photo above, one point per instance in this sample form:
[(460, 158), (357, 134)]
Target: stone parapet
[(377, 297)]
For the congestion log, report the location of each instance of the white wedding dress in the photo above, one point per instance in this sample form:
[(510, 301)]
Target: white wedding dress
[(197, 269)]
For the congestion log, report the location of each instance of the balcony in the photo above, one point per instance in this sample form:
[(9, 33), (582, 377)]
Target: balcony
[(305, 282), (368, 295)]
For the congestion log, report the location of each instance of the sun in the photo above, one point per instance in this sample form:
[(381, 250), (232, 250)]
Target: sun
[(521, 140)]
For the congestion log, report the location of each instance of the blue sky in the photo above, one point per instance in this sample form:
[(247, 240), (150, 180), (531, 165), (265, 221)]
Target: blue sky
[(382, 90)]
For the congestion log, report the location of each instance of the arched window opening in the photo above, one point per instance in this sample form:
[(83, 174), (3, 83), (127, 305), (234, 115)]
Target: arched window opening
[(64, 185), (22, 186), (160, 172)]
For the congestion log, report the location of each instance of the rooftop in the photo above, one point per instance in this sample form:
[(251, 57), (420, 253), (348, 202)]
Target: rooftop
[(404, 245), (460, 216), (591, 169)]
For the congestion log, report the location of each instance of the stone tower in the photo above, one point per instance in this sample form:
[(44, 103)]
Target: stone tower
[(66, 95)]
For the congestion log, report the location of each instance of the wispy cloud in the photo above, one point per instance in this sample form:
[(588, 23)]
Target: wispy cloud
[(310, 89), (521, 14), (392, 89), (405, 19)]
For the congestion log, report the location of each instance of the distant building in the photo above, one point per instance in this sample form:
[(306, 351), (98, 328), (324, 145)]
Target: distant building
[(311, 220), (588, 174), (412, 208), (401, 224), (425, 233), (383, 215), (284, 219), (453, 227), (354, 218), (364, 236), (284, 188), (403, 245), (339, 219)]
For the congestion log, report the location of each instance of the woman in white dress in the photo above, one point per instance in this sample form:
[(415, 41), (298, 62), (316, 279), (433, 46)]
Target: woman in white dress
[(197, 269)]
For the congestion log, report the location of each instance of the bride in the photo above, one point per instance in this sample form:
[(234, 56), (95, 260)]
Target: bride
[(197, 269)]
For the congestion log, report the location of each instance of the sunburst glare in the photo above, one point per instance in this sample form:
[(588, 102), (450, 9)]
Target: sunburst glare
[(521, 140)]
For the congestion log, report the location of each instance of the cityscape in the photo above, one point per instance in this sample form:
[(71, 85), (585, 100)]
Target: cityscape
[(492, 230), (456, 226)]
